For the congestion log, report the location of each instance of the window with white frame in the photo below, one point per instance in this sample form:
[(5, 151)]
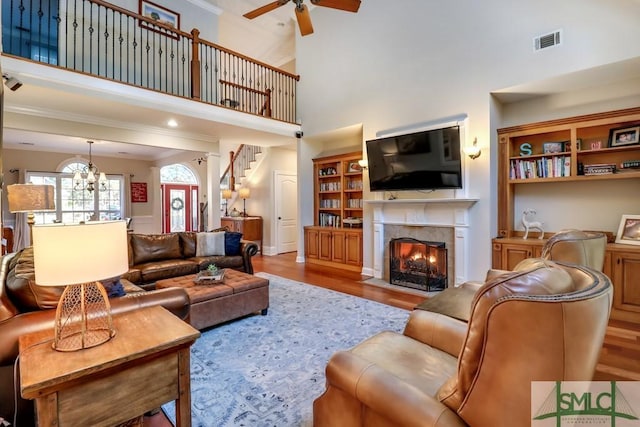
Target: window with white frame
[(75, 205)]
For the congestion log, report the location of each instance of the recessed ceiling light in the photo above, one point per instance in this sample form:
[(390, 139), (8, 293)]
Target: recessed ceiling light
[(172, 123)]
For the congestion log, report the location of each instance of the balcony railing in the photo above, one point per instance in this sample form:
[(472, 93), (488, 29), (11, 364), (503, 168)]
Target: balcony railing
[(104, 40)]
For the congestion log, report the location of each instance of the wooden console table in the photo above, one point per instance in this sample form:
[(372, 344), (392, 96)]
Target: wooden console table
[(145, 365), (249, 226)]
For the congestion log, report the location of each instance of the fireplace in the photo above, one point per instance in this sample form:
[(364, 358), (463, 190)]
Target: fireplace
[(418, 264)]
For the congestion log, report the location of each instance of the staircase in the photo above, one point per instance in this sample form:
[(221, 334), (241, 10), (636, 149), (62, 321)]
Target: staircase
[(240, 163)]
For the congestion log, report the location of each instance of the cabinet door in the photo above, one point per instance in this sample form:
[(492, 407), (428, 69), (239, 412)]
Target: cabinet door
[(338, 246), (311, 244), (252, 229), (324, 251), (626, 292), (353, 252), (512, 254), (229, 223)]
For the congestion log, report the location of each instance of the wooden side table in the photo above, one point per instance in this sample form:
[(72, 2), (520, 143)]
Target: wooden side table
[(145, 365)]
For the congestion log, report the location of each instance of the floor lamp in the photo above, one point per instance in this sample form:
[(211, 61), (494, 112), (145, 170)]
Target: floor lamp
[(30, 198), (78, 256)]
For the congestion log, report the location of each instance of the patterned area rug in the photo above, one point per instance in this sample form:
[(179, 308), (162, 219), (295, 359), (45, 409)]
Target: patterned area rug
[(262, 371)]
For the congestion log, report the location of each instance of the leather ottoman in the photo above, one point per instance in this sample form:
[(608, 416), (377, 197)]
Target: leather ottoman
[(238, 295)]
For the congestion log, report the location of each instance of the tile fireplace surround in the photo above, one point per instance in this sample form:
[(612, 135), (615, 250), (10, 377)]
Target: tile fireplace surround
[(443, 220)]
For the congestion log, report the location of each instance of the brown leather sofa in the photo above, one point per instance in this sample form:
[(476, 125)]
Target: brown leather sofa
[(545, 322), (26, 307), (154, 257)]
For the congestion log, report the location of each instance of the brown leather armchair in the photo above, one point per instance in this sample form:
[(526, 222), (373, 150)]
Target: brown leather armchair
[(572, 246), (15, 322), (544, 323)]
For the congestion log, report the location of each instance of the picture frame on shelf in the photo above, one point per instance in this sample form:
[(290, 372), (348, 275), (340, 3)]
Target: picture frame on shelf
[(553, 147), (629, 230), (624, 136), (354, 167), (167, 18)]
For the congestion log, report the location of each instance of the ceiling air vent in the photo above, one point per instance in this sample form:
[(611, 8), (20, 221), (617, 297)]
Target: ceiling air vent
[(547, 40)]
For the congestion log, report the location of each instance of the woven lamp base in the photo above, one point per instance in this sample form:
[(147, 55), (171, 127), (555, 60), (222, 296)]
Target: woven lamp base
[(83, 318)]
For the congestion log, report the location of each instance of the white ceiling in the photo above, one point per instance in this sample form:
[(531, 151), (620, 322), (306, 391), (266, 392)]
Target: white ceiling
[(269, 38)]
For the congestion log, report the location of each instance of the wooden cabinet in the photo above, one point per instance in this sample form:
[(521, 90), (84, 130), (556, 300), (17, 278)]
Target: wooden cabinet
[(335, 239), (250, 227), (334, 247), (507, 253), (625, 265)]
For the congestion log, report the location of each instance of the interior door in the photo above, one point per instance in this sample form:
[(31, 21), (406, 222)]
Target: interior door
[(178, 210), (286, 198)]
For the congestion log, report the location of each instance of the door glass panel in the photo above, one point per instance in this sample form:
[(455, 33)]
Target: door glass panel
[(178, 210)]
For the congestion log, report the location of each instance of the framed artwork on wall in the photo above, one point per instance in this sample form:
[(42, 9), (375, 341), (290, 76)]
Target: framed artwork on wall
[(160, 15), (138, 192), (629, 230)]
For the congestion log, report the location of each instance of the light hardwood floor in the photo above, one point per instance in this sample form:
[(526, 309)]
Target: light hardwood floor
[(619, 360)]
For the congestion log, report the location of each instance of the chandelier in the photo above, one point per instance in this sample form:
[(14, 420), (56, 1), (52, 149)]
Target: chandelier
[(86, 179)]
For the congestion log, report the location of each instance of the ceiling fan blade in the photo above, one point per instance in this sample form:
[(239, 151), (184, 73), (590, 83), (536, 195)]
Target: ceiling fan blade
[(304, 20), (264, 9), (347, 5)]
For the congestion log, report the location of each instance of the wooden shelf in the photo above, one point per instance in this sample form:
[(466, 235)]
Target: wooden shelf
[(328, 241)]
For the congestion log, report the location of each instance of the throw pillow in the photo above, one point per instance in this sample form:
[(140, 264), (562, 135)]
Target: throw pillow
[(113, 287), (232, 243), (210, 244)]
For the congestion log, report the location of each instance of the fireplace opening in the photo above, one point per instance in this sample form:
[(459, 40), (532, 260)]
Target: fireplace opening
[(418, 264)]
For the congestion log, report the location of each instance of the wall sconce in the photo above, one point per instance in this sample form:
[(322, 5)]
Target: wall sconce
[(474, 151), (244, 194), (364, 163)]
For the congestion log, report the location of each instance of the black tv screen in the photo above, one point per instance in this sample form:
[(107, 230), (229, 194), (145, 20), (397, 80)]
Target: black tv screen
[(427, 160)]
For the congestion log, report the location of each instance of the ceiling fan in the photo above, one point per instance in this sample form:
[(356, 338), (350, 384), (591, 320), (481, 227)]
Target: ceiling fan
[(302, 12)]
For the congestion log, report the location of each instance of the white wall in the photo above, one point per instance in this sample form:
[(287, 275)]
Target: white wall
[(397, 63)]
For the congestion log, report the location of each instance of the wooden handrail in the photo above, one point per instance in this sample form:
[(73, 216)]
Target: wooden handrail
[(140, 17), (248, 89), (255, 61)]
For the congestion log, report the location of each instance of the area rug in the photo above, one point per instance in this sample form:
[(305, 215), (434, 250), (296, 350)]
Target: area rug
[(262, 371)]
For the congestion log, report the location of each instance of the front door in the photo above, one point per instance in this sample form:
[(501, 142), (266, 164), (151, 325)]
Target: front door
[(178, 209)]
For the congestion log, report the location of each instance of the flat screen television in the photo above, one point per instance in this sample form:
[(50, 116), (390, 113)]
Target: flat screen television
[(427, 160)]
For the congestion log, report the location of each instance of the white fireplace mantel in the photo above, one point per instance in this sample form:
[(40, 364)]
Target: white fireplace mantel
[(422, 213)]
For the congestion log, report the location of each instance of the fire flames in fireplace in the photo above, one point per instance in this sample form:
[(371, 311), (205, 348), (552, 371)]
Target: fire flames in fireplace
[(418, 264)]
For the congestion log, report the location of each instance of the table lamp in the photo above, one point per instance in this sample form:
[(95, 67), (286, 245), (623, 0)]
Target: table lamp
[(30, 198), (226, 195), (244, 194), (76, 256)]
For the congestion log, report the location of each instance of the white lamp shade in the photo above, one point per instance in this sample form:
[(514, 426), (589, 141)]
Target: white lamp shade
[(67, 254), (30, 197), (244, 193), (227, 194)]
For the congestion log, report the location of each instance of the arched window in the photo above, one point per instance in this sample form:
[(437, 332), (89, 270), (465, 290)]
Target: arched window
[(75, 205), (178, 174)]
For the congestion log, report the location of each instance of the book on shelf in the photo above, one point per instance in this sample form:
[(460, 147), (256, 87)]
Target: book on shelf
[(543, 167), (630, 164)]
